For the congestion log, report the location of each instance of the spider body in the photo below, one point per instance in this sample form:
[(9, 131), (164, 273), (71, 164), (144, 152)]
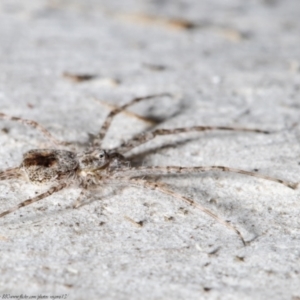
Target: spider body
[(49, 165), (94, 167)]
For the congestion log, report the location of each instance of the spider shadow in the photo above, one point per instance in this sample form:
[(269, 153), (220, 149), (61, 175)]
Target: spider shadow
[(227, 208), (136, 157)]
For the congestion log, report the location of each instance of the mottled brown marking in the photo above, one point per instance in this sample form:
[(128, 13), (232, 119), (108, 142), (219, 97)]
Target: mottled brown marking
[(46, 161)]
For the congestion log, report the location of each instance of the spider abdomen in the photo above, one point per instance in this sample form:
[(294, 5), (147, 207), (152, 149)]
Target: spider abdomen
[(44, 165)]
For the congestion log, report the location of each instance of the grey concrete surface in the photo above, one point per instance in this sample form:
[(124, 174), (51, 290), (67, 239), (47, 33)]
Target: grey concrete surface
[(233, 63)]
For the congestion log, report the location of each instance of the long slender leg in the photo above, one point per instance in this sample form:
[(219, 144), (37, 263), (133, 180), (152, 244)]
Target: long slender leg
[(162, 189), (146, 137), (127, 112), (12, 173), (52, 190), (98, 139), (36, 126), (160, 170)]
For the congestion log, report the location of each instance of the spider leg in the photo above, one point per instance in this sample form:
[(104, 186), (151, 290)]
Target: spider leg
[(146, 137), (34, 125), (51, 191), (160, 170), (107, 122), (12, 173), (162, 189), (127, 112)]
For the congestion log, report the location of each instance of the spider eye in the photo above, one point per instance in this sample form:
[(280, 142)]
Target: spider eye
[(102, 155)]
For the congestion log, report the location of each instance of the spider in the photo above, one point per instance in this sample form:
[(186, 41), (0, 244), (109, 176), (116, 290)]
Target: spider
[(95, 167)]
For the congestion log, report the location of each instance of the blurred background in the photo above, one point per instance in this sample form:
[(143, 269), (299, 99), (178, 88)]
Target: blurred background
[(67, 63)]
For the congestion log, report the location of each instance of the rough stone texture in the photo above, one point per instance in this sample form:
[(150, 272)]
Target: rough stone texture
[(227, 63)]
